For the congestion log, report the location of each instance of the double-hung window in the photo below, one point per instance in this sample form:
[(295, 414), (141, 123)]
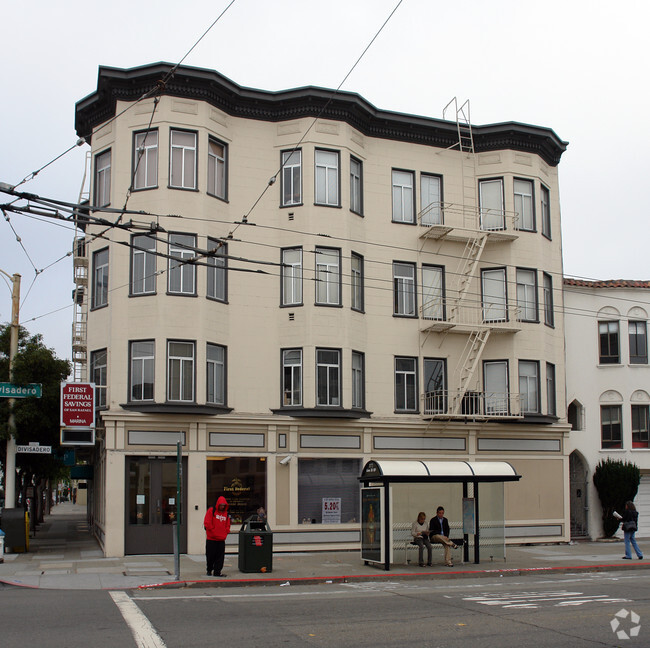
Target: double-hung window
[(406, 384), (640, 426), (103, 179), (403, 196), (356, 281), (217, 168), (495, 386), (638, 338), (433, 292), (358, 380), (98, 373), (608, 342), (551, 396), (493, 287), (145, 160), (291, 178), (328, 377), (141, 370), (181, 274), (356, 186), (215, 374), (546, 212), (292, 377), (143, 265), (328, 277), (217, 262), (180, 371), (100, 278), (435, 385), (491, 204), (610, 427), (182, 160), (327, 178), (430, 200), (547, 287), (404, 289), (291, 273), (524, 205), (527, 294), (529, 386)]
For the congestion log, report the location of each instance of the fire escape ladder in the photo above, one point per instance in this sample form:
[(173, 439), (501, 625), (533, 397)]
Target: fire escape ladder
[(467, 365)]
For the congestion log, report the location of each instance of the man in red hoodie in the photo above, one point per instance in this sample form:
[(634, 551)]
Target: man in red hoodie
[(217, 526)]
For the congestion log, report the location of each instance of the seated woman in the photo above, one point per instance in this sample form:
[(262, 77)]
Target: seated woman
[(420, 533)]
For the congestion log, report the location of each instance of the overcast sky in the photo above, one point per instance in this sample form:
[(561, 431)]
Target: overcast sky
[(580, 67)]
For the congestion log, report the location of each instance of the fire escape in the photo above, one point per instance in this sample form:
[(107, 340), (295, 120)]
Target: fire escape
[(463, 309)]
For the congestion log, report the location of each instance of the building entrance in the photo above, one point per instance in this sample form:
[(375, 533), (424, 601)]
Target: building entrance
[(151, 505)]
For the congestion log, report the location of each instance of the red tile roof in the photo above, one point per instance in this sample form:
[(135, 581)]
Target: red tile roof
[(607, 283)]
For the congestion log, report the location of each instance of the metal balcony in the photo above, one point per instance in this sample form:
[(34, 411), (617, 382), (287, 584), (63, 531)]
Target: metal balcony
[(456, 316), (477, 405)]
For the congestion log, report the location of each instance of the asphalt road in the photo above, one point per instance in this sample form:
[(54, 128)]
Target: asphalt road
[(557, 611)]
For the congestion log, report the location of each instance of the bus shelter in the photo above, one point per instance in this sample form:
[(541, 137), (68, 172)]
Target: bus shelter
[(393, 492)]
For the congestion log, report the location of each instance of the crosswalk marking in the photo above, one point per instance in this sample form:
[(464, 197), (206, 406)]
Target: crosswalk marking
[(143, 632)]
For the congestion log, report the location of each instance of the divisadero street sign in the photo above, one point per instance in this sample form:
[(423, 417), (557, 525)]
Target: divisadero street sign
[(9, 390), (34, 449)]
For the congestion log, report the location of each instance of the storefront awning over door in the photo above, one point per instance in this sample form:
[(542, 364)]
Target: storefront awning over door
[(415, 471)]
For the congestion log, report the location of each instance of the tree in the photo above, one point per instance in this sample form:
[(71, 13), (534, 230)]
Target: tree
[(617, 482), (37, 419)]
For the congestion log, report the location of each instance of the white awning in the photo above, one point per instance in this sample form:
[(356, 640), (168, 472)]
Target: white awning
[(438, 471)]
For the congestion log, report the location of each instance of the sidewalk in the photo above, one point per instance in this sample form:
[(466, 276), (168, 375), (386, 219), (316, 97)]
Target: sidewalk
[(64, 555)]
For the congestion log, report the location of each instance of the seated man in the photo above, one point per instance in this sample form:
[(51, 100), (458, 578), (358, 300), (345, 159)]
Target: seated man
[(439, 532)]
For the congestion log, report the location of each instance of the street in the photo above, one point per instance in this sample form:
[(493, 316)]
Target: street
[(556, 611)]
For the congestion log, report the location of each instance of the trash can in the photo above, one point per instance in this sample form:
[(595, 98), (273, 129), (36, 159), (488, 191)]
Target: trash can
[(255, 546), (16, 528)]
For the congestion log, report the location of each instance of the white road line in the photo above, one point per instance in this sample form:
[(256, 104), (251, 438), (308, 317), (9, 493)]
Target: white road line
[(143, 632)]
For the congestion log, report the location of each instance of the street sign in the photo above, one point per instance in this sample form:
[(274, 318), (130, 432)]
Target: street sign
[(34, 449), (9, 390)]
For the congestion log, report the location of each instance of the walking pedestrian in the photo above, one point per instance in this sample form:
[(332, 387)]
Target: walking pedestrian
[(217, 527), (630, 524)]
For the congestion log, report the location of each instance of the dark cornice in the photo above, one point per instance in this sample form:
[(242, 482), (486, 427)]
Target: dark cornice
[(199, 84), (176, 408), (315, 412)]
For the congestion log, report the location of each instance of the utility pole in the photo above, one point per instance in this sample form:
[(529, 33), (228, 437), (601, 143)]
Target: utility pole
[(10, 464)]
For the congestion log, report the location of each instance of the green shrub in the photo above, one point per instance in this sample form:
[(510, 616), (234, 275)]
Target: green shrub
[(616, 482)]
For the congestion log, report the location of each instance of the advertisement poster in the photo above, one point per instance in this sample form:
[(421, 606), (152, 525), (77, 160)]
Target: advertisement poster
[(469, 521), (331, 510), (372, 501)]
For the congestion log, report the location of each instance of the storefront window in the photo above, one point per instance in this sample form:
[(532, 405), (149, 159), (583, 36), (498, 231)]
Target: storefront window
[(241, 480), (328, 491)]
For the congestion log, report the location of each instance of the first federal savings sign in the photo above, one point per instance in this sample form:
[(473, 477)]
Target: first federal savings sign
[(77, 405)]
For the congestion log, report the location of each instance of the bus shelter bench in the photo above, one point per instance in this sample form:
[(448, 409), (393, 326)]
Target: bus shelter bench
[(403, 541)]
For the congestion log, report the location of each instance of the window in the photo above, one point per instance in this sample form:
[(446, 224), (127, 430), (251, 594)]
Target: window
[(546, 212), (217, 168), (216, 374), (610, 427), (291, 283), (495, 385), (292, 377), (98, 375), (435, 386), (524, 205), (331, 480), (217, 262), (100, 278), (291, 178), (640, 426), (430, 200), (358, 381), (638, 335), (403, 202), (406, 385), (551, 398), (356, 281), (608, 336), (145, 160), (143, 265), (492, 206), (182, 162), (142, 371), (433, 292), (527, 295), (327, 178), (529, 386), (103, 179), (180, 371), (547, 287), (181, 275), (493, 286), (328, 277), (356, 186), (328, 377), (404, 289)]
